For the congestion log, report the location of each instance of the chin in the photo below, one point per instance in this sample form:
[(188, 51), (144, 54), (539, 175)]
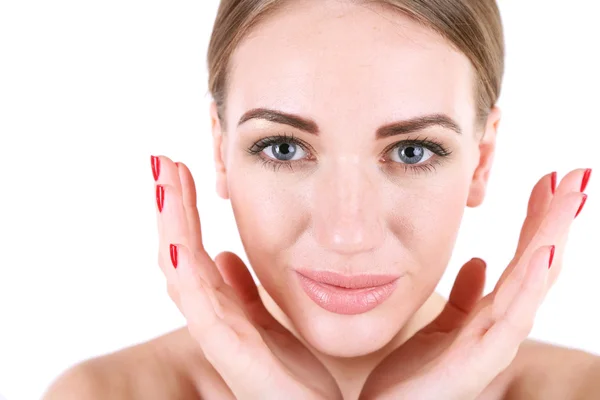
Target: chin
[(349, 336), (355, 328)]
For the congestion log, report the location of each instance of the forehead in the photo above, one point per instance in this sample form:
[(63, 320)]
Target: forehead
[(340, 62)]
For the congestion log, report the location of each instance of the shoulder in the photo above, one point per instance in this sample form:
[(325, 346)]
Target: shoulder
[(170, 366), (545, 371), (83, 381)]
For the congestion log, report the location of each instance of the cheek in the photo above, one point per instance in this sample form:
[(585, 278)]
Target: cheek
[(270, 214), (440, 210), (426, 220)]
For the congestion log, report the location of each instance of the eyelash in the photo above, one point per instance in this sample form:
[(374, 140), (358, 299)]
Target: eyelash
[(263, 143), (430, 144), (437, 148)]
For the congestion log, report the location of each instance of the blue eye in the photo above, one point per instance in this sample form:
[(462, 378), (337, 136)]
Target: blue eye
[(284, 151), (410, 154)]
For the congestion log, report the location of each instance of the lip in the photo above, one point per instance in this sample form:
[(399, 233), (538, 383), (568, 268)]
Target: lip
[(343, 294)]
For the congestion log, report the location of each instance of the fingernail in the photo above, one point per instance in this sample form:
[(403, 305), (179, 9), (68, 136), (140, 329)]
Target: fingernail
[(553, 182), (552, 249), (583, 200), (173, 251), (155, 161), (586, 179), (160, 197)]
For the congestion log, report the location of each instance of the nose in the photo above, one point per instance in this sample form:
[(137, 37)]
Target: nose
[(347, 217)]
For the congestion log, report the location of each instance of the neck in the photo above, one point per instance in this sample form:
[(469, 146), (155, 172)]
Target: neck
[(351, 373)]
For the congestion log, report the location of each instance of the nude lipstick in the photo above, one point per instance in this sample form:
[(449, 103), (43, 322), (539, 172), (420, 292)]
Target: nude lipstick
[(346, 294)]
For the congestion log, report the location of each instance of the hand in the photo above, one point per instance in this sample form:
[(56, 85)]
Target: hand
[(256, 356), (473, 339)]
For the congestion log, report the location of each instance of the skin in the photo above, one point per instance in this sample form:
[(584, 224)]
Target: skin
[(346, 211), (349, 206)]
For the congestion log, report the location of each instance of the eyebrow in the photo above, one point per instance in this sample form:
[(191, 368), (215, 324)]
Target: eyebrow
[(395, 128)]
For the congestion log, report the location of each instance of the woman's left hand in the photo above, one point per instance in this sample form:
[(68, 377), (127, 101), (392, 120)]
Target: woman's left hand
[(474, 339)]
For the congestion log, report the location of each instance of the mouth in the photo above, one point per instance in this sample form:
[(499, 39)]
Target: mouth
[(344, 294)]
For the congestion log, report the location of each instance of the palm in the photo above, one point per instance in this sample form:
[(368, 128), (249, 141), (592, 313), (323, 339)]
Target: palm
[(264, 334), (428, 344)]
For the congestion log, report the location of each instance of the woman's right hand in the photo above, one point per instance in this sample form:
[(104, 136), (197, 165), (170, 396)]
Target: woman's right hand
[(255, 355)]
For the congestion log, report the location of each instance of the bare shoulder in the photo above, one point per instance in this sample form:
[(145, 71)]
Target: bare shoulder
[(545, 371), (169, 366)]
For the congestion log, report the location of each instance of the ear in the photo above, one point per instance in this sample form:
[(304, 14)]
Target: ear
[(219, 147), (487, 147)]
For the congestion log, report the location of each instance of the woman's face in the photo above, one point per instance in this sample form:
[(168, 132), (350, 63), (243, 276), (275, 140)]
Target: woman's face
[(363, 167)]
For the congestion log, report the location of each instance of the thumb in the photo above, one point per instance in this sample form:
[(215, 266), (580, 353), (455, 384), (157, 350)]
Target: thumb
[(236, 274), (465, 294)]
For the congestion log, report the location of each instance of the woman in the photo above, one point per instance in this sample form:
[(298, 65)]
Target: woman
[(349, 137)]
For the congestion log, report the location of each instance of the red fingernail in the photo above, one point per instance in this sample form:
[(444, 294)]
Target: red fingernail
[(553, 182), (160, 197), (173, 251), (583, 200), (586, 179), (551, 256), (155, 161)]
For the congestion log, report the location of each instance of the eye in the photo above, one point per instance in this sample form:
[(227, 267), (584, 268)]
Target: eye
[(410, 154), (284, 151)]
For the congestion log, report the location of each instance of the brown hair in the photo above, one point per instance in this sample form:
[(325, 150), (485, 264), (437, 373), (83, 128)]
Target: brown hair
[(473, 27)]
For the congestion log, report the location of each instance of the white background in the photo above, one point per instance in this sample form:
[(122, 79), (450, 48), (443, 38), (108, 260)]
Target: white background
[(89, 90)]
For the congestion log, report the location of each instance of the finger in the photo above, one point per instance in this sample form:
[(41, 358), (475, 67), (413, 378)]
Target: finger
[(501, 342), (202, 311), (188, 190), (163, 176), (174, 294), (537, 208), (192, 285), (552, 231), (237, 275), (484, 353), (239, 355), (162, 245), (539, 205), (556, 223), (174, 225), (466, 292), (572, 182), (575, 180), (469, 285)]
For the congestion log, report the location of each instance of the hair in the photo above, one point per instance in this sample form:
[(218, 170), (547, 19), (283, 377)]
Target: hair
[(473, 27)]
